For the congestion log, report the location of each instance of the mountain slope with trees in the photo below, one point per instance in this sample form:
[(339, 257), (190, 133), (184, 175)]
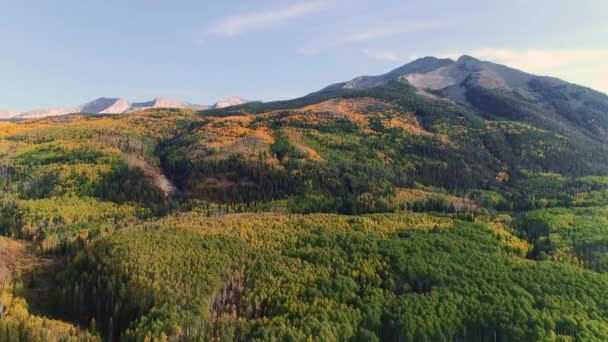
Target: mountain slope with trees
[(445, 200)]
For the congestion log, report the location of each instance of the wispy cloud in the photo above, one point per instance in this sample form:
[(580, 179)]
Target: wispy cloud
[(540, 60), (374, 33), (378, 32), (583, 66), (385, 55), (235, 25)]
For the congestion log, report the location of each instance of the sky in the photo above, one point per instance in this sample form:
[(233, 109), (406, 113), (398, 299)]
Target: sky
[(67, 52)]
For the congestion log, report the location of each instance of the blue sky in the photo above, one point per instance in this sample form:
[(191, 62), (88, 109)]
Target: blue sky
[(66, 52)]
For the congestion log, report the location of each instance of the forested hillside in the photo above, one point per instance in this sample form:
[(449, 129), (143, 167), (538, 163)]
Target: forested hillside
[(377, 211)]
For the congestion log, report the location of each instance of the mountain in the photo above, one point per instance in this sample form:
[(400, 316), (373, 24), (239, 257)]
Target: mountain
[(430, 74), (446, 200), (8, 113), (490, 90), (498, 91), (229, 102)]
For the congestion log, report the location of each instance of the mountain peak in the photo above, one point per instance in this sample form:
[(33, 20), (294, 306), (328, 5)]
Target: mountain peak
[(229, 102), (419, 66), (428, 61), (467, 59)]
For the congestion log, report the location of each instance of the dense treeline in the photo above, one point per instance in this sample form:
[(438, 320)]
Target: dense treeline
[(329, 278)]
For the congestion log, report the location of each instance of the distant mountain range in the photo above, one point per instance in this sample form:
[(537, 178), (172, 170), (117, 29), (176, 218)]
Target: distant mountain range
[(104, 105)]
